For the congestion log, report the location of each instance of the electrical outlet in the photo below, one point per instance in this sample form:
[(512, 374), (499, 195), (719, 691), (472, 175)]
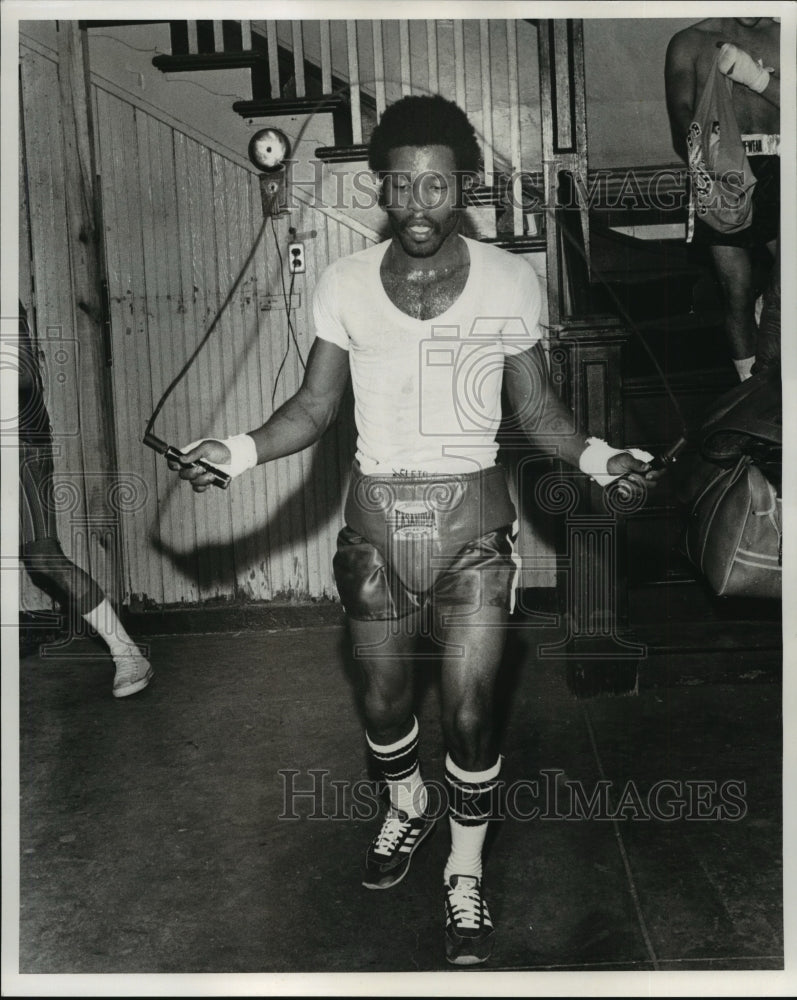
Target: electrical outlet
[(296, 263)]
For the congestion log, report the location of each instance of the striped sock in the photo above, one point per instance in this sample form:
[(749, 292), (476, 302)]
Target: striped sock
[(398, 764), (472, 803)]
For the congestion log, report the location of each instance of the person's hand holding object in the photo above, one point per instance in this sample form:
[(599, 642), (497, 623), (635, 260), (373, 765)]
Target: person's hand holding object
[(740, 67)]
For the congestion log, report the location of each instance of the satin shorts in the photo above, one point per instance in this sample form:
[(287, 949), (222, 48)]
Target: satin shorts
[(482, 573)]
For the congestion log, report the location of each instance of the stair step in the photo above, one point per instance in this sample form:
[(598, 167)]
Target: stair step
[(342, 154), (689, 322), (290, 106), (705, 380), (119, 24), (193, 61), (485, 195), (517, 244)]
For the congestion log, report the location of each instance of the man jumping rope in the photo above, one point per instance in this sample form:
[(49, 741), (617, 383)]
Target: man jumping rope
[(428, 516)]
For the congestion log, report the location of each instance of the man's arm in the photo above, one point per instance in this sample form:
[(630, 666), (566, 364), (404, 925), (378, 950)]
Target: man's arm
[(303, 419), (771, 92), (299, 422), (680, 81), (737, 64), (548, 422)]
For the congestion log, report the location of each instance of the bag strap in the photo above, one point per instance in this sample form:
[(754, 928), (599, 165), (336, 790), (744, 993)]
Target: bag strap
[(762, 430), (731, 475)]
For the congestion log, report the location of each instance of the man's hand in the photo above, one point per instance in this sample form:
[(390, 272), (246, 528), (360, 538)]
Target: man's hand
[(209, 449), (637, 477), (740, 67), (635, 469)]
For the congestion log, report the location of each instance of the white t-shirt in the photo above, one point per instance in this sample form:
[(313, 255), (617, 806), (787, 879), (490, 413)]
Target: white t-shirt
[(428, 392)]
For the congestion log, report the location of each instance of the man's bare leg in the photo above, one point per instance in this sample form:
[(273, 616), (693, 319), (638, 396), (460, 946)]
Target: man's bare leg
[(734, 268), (384, 651), (474, 645)]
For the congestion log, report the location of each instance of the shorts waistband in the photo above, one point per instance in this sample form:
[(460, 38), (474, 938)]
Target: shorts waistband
[(425, 478), (760, 144), (455, 508)]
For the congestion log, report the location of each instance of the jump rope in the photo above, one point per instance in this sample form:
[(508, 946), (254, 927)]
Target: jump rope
[(151, 440), (222, 480)]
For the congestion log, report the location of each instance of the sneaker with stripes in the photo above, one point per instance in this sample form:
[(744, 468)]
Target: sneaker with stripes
[(469, 929), (390, 852)]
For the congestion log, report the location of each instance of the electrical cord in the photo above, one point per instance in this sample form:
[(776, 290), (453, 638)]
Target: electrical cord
[(172, 78), (134, 48), (287, 296), (285, 355)]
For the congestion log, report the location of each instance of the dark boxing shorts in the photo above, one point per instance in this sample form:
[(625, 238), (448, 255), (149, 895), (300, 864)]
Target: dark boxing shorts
[(766, 211), (409, 540)]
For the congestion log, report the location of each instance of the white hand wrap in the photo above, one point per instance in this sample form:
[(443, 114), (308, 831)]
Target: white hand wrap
[(595, 457), (243, 452), (742, 68)]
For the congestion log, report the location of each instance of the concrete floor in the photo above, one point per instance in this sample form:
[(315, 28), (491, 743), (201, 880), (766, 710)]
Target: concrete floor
[(152, 839)]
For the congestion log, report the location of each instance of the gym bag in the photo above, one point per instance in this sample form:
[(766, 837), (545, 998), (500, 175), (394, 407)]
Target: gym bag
[(721, 178), (734, 533), (734, 528)]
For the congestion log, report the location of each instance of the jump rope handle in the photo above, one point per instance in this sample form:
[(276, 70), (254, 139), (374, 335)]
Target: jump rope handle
[(220, 479), (669, 457), (664, 460)]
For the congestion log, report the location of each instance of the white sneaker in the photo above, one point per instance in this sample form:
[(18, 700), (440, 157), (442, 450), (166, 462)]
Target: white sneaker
[(133, 673)]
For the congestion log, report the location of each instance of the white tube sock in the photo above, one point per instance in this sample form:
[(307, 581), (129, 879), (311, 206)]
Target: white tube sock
[(467, 841), (104, 620), (398, 763)]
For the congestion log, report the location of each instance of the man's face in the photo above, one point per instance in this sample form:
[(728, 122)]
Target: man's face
[(420, 197)]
